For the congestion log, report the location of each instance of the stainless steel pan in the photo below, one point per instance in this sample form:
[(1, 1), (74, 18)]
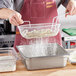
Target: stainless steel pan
[(54, 56)]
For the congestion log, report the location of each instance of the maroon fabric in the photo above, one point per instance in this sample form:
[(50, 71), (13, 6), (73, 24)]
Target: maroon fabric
[(38, 11)]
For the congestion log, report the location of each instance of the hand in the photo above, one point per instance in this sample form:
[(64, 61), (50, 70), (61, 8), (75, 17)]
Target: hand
[(71, 8), (15, 18)]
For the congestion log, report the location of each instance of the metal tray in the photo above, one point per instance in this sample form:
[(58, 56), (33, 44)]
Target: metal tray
[(53, 56)]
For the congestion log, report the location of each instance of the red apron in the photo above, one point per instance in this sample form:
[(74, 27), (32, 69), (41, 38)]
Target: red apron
[(37, 11)]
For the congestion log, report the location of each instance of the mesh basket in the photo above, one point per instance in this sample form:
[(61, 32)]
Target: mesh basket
[(40, 30)]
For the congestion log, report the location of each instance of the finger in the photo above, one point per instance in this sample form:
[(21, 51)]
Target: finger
[(18, 18), (71, 11), (74, 12), (13, 21), (21, 21)]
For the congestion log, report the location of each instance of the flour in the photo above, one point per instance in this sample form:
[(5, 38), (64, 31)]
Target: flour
[(51, 49), (38, 33), (40, 48)]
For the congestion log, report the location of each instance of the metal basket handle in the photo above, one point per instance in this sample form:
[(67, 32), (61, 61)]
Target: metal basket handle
[(28, 23), (57, 18)]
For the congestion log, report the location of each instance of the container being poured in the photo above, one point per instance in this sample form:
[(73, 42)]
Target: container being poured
[(40, 30)]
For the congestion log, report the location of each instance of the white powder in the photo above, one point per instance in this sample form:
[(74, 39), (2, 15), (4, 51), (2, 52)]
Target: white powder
[(39, 48), (38, 33)]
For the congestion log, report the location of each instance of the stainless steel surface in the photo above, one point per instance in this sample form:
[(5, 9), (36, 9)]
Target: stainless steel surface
[(52, 57)]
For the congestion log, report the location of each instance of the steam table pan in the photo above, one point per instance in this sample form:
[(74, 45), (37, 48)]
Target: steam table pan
[(8, 58), (53, 56)]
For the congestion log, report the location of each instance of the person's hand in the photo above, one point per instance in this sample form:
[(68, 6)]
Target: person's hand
[(15, 18), (71, 8)]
